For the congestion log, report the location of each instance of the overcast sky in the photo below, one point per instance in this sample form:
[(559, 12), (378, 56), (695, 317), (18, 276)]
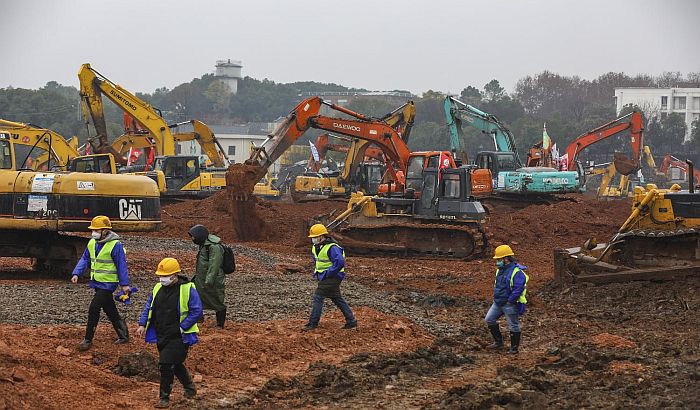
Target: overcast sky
[(379, 45)]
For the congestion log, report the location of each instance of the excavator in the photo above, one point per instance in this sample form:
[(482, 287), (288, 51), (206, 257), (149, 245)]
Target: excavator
[(176, 176), (659, 240), (678, 171), (41, 200), (363, 163), (511, 181), (427, 209), (632, 122)]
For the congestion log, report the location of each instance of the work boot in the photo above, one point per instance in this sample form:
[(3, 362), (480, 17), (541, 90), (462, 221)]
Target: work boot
[(220, 318), (84, 345), (497, 338), (122, 332), (163, 404), (350, 325), (308, 326), (514, 342), (87, 341), (184, 376)]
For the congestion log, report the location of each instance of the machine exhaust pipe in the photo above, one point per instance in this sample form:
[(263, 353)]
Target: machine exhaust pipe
[(691, 176)]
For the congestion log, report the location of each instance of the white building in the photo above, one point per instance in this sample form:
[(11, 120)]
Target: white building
[(236, 140), (656, 101)]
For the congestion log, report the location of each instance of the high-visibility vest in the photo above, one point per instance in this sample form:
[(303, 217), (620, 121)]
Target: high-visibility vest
[(522, 298), (102, 266), (323, 262), (183, 308)]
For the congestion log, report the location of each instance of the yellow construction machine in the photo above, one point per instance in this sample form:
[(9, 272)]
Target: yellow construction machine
[(176, 175), (659, 240), (266, 188), (36, 206)]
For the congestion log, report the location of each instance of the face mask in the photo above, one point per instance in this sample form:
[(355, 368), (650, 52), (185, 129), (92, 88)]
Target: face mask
[(500, 264), (96, 235), (167, 280), (316, 240)]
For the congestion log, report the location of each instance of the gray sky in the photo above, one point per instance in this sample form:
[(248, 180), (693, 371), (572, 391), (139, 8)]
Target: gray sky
[(380, 44)]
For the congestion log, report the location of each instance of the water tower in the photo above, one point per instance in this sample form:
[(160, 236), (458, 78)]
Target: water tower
[(229, 71)]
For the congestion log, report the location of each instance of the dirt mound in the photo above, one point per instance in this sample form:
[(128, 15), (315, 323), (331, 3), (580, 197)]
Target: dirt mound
[(142, 364), (608, 340)]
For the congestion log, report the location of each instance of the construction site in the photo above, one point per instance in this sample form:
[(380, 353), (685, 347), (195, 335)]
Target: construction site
[(531, 249)]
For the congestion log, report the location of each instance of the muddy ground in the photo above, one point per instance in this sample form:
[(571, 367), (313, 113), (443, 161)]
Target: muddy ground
[(421, 340)]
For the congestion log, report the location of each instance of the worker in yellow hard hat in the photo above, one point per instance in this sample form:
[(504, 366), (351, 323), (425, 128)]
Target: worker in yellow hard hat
[(510, 288), (329, 271), (169, 319), (105, 258)]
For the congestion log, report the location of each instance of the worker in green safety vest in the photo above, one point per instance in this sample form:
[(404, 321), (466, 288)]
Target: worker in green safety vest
[(105, 258), (169, 319), (329, 271), (509, 291)]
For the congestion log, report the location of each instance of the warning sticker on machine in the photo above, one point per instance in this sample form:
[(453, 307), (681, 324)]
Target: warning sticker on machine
[(86, 186), (43, 183), (37, 203)]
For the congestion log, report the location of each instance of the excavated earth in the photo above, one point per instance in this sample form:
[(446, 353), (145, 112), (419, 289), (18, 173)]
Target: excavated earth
[(421, 340)]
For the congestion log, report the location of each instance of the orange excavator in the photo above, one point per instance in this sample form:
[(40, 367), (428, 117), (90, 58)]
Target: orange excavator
[(428, 207), (631, 122), (677, 171)]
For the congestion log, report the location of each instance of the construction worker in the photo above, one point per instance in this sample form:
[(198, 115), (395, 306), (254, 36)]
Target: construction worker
[(510, 288), (209, 274), (169, 319), (106, 260), (329, 270)]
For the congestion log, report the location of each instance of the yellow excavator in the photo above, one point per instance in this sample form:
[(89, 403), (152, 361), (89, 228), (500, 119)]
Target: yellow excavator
[(176, 175), (41, 200), (359, 173), (660, 240)]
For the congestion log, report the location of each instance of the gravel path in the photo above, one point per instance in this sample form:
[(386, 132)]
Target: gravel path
[(250, 296)]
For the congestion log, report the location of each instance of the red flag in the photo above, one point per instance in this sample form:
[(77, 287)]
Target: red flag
[(150, 157)]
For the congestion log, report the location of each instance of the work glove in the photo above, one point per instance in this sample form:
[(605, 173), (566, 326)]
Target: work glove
[(125, 297)]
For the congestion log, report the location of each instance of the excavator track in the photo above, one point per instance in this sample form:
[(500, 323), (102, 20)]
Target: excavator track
[(414, 239)]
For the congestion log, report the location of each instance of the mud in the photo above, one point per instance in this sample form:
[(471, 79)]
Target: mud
[(421, 342)]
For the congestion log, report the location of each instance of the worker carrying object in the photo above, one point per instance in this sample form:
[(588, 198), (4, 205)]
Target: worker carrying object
[(329, 270), (169, 319), (510, 289), (209, 274), (106, 260)]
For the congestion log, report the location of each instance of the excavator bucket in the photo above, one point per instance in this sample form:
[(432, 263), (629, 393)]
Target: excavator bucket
[(624, 165)]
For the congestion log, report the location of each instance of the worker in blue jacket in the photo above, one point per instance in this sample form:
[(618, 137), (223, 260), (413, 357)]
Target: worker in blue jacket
[(169, 319), (329, 270), (105, 258), (510, 288)]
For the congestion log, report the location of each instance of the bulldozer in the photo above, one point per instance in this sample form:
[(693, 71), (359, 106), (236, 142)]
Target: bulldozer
[(443, 222), (660, 240)]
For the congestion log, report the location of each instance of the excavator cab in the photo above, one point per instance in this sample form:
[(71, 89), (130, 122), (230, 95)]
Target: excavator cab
[(178, 171), (447, 194), (98, 163)]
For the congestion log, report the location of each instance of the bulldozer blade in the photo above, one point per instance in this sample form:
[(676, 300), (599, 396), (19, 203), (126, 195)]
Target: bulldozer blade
[(571, 266), (624, 165)]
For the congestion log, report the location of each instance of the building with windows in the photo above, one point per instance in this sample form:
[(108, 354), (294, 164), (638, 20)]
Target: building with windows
[(659, 101)]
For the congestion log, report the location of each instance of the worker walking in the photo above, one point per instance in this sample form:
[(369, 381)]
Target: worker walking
[(329, 270), (106, 260), (169, 319), (510, 288), (209, 274)]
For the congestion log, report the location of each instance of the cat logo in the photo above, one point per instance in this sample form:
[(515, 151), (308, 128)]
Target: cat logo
[(130, 209)]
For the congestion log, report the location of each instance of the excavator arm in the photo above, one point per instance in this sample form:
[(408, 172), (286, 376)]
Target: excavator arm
[(242, 178), (56, 147), (457, 112), (93, 86), (632, 122)]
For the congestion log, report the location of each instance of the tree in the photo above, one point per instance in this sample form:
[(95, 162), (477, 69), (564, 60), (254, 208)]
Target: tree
[(429, 135), (693, 144), (674, 129), (470, 95), (493, 91)]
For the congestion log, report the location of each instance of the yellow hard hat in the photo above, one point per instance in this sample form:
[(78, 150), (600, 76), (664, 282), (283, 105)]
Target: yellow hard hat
[(317, 230), (502, 251), (168, 266), (100, 222)]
